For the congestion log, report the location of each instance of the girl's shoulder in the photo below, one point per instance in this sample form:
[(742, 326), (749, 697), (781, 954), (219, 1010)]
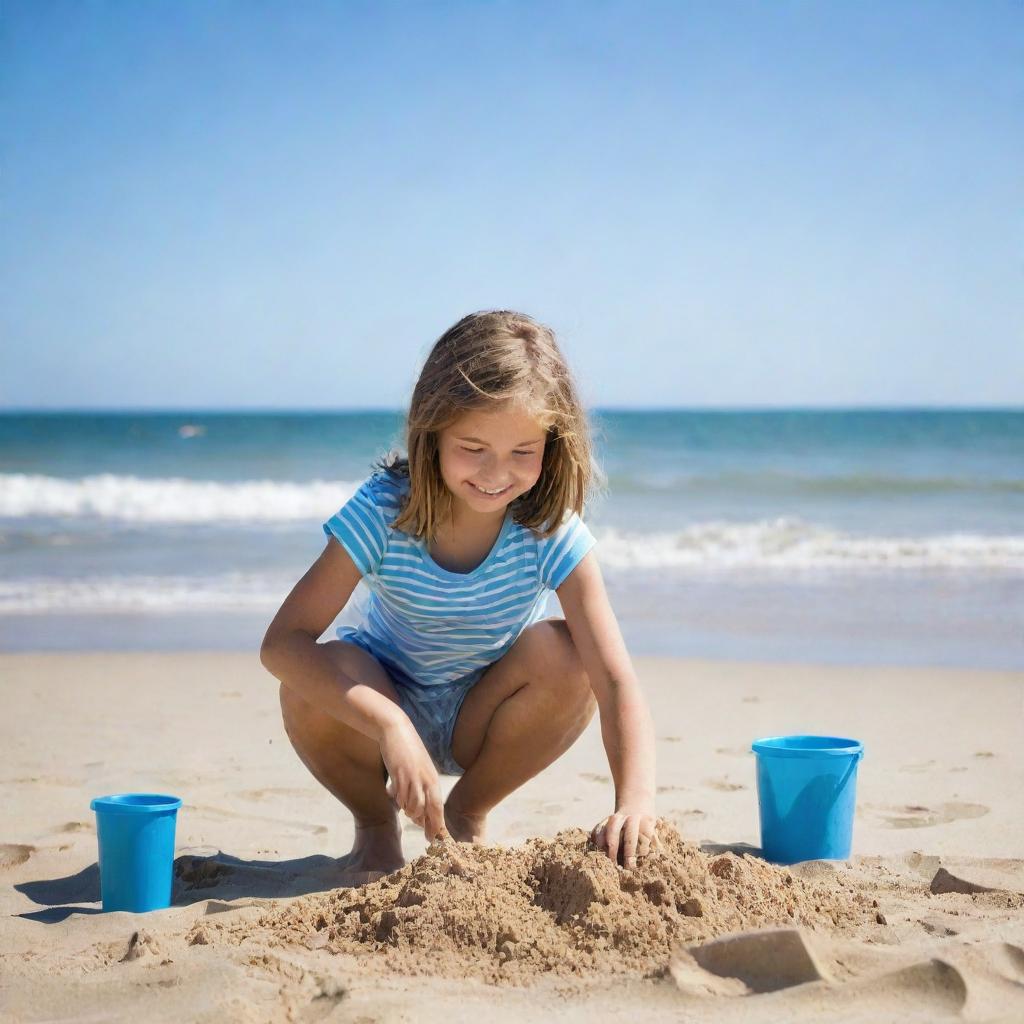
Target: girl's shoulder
[(386, 491), (560, 551), (364, 523)]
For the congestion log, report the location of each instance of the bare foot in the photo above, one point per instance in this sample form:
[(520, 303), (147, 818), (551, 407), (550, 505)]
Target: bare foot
[(376, 852), (466, 828)]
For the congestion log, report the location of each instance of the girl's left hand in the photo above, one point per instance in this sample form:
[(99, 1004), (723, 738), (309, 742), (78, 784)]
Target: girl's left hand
[(627, 834)]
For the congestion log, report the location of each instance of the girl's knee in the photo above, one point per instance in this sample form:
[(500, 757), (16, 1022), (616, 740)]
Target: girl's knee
[(358, 664), (561, 664), (293, 707), (303, 723), (560, 649), (341, 652), (315, 733)]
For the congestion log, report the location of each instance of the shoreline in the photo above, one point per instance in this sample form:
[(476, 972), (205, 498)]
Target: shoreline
[(637, 653), (216, 652)]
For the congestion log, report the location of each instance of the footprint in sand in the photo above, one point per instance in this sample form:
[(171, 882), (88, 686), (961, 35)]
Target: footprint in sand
[(984, 753), (50, 780), (77, 826), (918, 816), (681, 817), (671, 789), (550, 808), (259, 794), (222, 814), (13, 854), (724, 785), (595, 777)]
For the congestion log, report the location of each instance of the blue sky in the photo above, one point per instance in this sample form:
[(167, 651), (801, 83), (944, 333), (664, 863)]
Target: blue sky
[(283, 204)]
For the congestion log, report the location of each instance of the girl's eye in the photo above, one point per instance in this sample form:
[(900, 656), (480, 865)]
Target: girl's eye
[(477, 451)]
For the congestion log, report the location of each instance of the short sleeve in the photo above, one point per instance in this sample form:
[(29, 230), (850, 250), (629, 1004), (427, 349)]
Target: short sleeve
[(360, 527), (560, 553)]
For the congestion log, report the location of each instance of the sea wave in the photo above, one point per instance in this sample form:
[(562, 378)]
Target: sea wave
[(134, 499), (788, 543), (144, 593), (783, 548), (771, 481), (107, 496)]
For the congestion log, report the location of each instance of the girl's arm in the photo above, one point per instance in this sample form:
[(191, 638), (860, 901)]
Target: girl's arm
[(291, 651), (626, 725)]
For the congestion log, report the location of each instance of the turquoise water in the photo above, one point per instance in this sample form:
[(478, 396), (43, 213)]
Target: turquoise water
[(864, 536)]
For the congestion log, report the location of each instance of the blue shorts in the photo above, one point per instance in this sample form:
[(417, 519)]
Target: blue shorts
[(432, 709)]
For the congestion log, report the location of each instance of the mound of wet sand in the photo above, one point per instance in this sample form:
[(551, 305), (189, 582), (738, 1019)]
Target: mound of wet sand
[(548, 907)]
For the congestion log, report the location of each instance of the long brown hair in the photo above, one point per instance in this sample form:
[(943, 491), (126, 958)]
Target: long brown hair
[(485, 360)]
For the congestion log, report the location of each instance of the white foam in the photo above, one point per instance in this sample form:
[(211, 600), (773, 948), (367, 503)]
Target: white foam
[(779, 543), (784, 547), (137, 593), (107, 496), (790, 543)]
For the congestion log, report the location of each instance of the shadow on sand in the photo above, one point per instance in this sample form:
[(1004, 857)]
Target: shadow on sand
[(196, 878)]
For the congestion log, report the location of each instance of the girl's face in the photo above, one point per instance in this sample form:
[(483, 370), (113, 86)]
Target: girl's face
[(501, 452)]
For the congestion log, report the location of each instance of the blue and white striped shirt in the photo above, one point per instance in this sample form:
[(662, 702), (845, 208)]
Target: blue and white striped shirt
[(435, 625)]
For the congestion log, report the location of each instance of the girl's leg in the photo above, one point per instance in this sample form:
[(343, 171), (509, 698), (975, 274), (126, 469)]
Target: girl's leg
[(348, 764), (523, 713)]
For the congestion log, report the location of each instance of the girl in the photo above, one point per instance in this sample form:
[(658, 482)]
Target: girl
[(453, 668)]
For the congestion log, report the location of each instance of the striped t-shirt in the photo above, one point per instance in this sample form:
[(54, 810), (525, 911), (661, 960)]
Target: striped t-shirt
[(435, 625)]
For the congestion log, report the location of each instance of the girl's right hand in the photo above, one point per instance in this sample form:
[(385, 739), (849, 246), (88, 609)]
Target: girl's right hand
[(413, 785)]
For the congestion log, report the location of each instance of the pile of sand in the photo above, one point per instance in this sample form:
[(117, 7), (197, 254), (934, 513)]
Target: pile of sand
[(549, 906)]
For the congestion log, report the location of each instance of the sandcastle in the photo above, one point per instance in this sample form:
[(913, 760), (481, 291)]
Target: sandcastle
[(550, 906)]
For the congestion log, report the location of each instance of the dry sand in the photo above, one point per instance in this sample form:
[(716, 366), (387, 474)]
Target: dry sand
[(925, 922)]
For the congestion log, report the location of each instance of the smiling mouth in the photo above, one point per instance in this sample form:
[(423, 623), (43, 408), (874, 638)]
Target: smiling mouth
[(489, 494)]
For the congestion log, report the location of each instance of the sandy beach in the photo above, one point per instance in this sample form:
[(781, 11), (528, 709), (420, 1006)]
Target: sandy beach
[(721, 298), (923, 922)]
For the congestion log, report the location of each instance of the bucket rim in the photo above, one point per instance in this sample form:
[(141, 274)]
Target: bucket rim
[(826, 746), (135, 803)]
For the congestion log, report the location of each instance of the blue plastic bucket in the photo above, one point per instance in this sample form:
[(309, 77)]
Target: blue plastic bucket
[(136, 841), (806, 793)]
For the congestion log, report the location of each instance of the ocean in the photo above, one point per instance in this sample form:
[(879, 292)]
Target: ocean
[(853, 537)]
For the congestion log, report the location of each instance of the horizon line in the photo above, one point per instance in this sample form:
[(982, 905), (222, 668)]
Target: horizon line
[(397, 410)]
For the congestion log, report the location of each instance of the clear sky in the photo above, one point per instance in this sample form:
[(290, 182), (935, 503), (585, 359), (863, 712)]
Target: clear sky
[(283, 204)]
